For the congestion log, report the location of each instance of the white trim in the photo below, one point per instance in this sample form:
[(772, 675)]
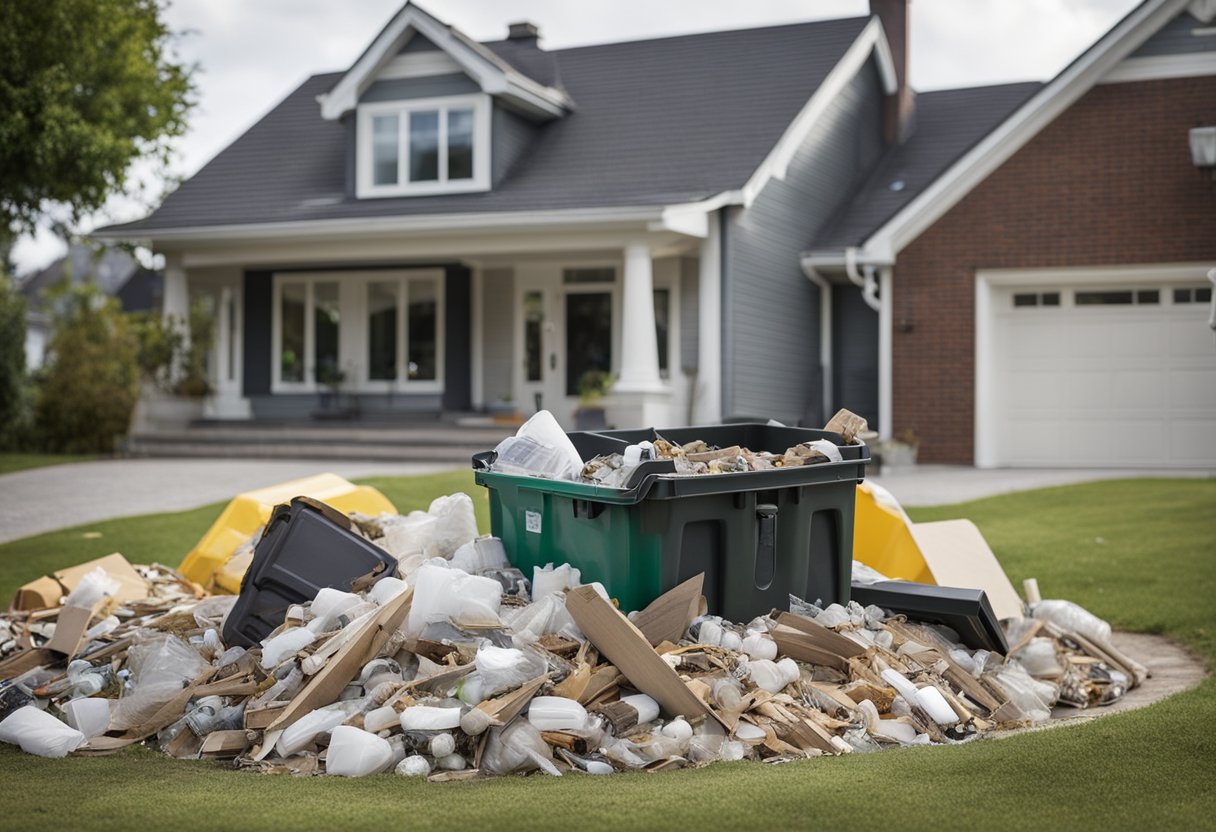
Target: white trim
[(988, 280), (494, 77), (353, 343), (639, 215), (478, 103), (872, 40), (477, 370), (707, 396), (419, 65), (1012, 134), (1157, 67)]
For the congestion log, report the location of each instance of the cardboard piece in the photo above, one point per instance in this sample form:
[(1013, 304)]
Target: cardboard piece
[(958, 555), (801, 638), (70, 628), (324, 688), (625, 646), (48, 591), (668, 616), (508, 706), (219, 744), (847, 424)]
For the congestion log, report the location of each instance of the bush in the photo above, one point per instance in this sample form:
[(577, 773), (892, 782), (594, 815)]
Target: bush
[(157, 343), (92, 378), (14, 383)]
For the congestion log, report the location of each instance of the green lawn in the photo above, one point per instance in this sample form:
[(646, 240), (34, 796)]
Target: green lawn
[(1140, 553), (10, 463)]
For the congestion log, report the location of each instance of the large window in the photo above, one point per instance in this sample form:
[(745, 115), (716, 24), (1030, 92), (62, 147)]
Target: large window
[(363, 331), (424, 146)]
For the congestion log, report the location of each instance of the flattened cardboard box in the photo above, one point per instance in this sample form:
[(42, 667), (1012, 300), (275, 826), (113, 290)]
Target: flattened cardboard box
[(48, 591)]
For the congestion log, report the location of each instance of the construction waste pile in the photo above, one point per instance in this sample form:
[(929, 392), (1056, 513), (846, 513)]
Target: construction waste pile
[(452, 664)]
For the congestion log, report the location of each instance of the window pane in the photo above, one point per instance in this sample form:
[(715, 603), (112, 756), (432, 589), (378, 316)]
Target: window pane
[(1026, 299), (1148, 296), (1203, 295), (606, 274), (423, 349), (325, 333), (384, 150), (1103, 298), (588, 336), (291, 335), (1051, 299), (1182, 296), (460, 144), (424, 146), (534, 322), (382, 331), (662, 321)]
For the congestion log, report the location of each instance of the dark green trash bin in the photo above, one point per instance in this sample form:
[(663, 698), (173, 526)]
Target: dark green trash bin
[(758, 536)]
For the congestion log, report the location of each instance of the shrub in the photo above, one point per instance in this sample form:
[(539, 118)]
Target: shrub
[(92, 375)]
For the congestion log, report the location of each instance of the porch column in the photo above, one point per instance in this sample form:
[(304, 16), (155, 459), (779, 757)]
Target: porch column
[(176, 298), (639, 344)]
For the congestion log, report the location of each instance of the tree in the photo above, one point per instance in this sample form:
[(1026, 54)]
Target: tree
[(14, 386), (86, 88)]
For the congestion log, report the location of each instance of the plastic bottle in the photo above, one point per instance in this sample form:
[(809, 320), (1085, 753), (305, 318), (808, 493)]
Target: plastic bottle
[(90, 717), (429, 718), (936, 706), (647, 708), (556, 713), (284, 645), (304, 730)]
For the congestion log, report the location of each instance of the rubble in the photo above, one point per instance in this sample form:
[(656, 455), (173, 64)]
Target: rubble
[(448, 674)]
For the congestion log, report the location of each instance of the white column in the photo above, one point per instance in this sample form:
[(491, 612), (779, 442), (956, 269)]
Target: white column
[(176, 295), (639, 345), (176, 299), (707, 398), (477, 334), (885, 318)]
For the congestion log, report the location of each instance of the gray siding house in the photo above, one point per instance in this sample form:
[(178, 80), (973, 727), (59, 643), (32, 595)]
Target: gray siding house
[(447, 224)]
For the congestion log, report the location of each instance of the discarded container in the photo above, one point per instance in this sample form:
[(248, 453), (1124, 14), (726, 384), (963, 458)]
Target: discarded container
[(354, 752), (37, 732), (307, 546), (248, 512), (758, 536)]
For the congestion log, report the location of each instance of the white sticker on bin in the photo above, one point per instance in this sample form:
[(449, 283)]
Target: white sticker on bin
[(532, 521)]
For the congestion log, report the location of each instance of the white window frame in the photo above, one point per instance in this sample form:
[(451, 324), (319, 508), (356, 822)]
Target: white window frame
[(353, 343), (478, 103)]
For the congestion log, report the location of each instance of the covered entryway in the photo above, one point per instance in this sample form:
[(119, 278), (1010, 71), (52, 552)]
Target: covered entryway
[(1096, 368)]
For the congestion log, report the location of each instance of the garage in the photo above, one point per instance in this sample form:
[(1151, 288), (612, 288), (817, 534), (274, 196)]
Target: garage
[(1112, 369)]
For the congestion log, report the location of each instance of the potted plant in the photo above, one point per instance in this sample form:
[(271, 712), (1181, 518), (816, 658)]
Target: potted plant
[(593, 386), (173, 367), (504, 411), (900, 450), (333, 404)]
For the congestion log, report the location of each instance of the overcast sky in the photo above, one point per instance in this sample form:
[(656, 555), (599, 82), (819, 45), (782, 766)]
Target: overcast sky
[(251, 53)]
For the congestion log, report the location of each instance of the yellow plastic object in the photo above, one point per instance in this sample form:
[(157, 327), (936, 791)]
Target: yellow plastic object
[(208, 563), (882, 537)]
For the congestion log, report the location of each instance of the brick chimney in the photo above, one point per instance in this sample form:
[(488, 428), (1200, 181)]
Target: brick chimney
[(523, 32), (898, 118)]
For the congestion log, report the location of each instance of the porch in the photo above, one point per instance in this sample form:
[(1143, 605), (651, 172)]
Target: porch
[(386, 330)]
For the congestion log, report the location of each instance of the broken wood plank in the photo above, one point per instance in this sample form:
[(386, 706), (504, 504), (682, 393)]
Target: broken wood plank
[(668, 616)]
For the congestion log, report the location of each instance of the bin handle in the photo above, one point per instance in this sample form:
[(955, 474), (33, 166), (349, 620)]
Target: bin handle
[(766, 545)]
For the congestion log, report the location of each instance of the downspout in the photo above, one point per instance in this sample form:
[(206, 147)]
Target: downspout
[(825, 337)]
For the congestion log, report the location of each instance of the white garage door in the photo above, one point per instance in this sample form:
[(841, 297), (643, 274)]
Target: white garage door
[(1095, 375)]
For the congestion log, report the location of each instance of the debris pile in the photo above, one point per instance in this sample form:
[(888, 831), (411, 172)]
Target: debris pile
[(460, 666)]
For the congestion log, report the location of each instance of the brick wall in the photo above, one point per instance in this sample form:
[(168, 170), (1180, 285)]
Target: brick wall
[(1108, 182)]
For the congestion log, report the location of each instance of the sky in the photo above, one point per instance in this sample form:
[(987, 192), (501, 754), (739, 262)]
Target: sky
[(251, 53)]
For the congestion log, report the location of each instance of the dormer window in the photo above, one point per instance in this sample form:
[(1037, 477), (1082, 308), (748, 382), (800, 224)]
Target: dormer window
[(424, 146)]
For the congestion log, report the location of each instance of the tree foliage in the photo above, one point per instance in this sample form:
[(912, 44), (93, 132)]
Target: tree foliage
[(91, 383), (86, 88), (14, 385)]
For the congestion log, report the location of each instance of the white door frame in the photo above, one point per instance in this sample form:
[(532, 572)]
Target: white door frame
[(988, 280)]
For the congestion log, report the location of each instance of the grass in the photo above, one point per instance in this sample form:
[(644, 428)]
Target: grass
[(1139, 553), (11, 463)]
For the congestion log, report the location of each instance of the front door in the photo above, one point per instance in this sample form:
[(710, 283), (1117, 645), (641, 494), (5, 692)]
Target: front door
[(564, 330)]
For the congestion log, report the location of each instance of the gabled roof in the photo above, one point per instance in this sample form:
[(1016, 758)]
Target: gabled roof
[(495, 75), (658, 122), (1010, 135), (948, 123)]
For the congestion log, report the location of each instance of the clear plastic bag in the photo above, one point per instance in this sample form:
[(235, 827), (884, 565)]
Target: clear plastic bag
[(444, 594), (1035, 698), (544, 617), (505, 668), (539, 448), (160, 668), (94, 586), (1072, 617), (518, 747)]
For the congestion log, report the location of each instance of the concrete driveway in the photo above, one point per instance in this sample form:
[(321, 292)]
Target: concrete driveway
[(43, 499)]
